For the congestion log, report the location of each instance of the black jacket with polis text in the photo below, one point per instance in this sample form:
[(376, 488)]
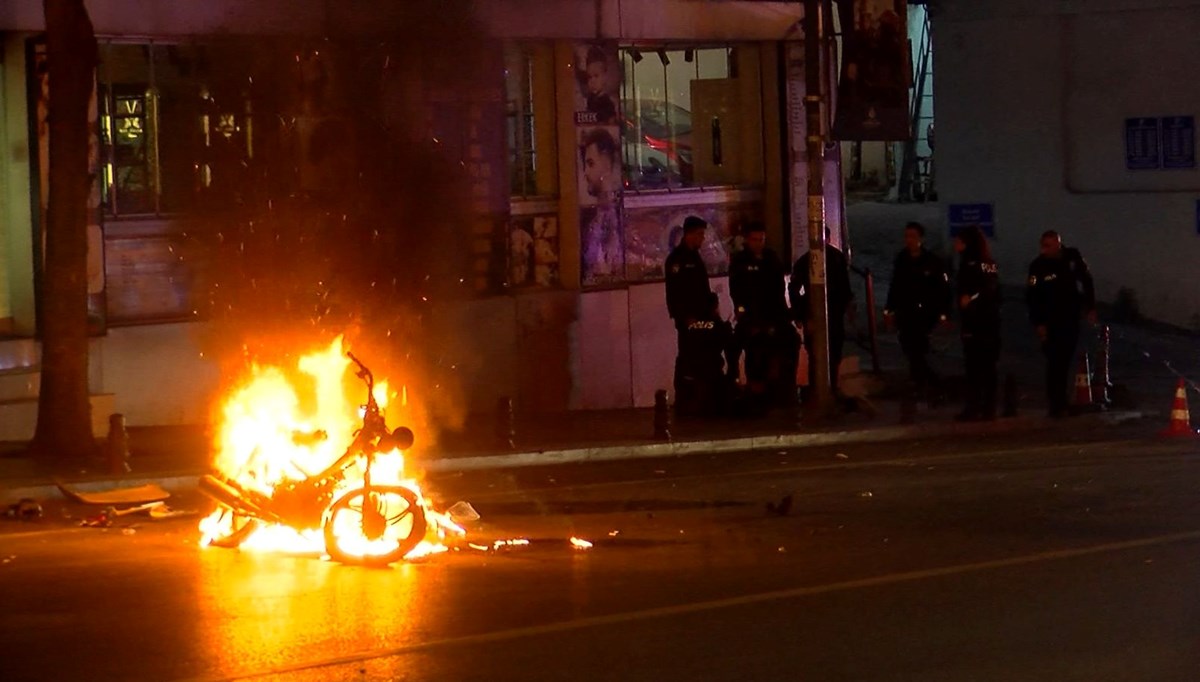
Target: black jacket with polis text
[(688, 293), (920, 292), (979, 282), (757, 288), (1060, 289), (837, 286)]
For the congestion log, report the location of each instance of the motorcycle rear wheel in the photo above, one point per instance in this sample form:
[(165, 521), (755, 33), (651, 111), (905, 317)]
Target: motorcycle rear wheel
[(348, 536)]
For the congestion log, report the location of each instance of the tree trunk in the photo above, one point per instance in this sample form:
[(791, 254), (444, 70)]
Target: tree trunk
[(64, 412)]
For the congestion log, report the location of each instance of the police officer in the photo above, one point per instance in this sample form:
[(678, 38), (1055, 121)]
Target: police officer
[(979, 313), (688, 297), (918, 299), (1060, 292), (756, 284), (838, 296)]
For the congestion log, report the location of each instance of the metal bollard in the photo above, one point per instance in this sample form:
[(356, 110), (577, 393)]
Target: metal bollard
[(506, 424), (1010, 395), (1101, 382), (662, 416), (117, 445)]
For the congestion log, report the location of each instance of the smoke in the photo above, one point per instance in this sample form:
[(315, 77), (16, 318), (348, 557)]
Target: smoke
[(352, 216)]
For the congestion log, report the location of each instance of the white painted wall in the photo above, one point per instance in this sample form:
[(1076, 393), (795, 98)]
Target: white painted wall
[(157, 372), (1031, 109)]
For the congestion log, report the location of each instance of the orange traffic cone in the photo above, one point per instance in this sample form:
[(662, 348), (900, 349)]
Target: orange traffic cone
[(1181, 421), (1083, 383)]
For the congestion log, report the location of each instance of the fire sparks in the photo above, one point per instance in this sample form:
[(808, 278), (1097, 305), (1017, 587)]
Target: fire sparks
[(305, 469)]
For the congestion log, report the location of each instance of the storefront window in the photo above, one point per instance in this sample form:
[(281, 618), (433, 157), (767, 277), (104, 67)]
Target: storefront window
[(529, 103), (661, 112), (162, 129)]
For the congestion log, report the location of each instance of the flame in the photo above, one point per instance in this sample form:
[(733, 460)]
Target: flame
[(279, 431)]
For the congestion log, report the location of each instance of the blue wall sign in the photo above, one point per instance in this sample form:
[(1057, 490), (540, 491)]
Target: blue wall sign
[(1141, 144), (965, 215), (1178, 142)]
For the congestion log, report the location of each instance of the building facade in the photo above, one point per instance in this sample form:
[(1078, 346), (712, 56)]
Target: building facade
[(590, 130), (1078, 117)]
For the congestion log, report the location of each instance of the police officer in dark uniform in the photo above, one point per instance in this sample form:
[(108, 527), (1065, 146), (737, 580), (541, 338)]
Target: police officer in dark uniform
[(979, 314), (764, 331), (918, 299), (838, 295), (1060, 292), (688, 301)]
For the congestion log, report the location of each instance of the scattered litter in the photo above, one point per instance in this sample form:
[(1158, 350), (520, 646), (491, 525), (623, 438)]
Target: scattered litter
[(579, 543), (1147, 561), (613, 533), (463, 512), (26, 509), (157, 511), (866, 493), (842, 455), (783, 550), (8, 559), (515, 542), (98, 521), (660, 471), (128, 531), (162, 511), (782, 508), (782, 452), (141, 494)]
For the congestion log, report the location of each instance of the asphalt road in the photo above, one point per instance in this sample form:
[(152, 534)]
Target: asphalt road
[(998, 559)]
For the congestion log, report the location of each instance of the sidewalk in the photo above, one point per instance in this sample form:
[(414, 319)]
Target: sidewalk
[(174, 457)]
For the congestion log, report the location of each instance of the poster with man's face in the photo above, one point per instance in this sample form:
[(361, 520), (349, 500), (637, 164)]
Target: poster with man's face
[(602, 253), (598, 83), (599, 159)]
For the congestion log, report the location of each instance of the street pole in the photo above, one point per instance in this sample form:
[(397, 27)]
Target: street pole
[(814, 99)]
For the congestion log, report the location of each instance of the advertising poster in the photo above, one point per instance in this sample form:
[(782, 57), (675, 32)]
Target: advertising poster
[(598, 155), (533, 251), (652, 232), (872, 91)]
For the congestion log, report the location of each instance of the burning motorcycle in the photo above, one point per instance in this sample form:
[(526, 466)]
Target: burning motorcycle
[(362, 521)]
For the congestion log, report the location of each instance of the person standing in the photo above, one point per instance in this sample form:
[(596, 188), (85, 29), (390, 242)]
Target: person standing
[(918, 300), (688, 301), (1060, 292), (839, 297), (756, 284), (979, 315)]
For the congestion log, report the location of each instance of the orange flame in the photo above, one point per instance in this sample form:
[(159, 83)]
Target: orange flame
[(280, 430)]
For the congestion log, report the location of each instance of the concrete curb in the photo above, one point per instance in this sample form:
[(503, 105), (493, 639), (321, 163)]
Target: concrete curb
[(187, 480)]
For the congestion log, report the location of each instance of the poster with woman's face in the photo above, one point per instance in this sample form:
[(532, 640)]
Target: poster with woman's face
[(598, 83)]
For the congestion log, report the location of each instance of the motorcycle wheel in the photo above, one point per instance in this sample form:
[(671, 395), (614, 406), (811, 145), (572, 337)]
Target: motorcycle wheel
[(376, 529), (240, 528)]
